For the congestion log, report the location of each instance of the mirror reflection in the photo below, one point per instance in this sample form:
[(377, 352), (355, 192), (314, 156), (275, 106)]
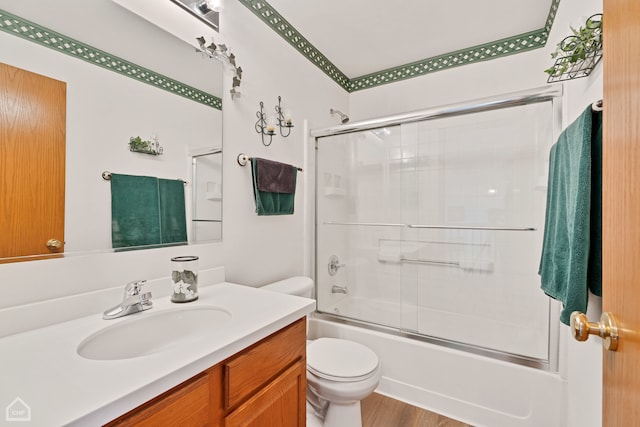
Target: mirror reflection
[(109, 77), (206, 221)]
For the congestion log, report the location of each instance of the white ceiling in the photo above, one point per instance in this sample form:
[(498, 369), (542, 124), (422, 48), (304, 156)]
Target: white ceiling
[(366, 36)]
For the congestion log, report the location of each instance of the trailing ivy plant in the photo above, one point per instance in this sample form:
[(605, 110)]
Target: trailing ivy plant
[(585, 42)]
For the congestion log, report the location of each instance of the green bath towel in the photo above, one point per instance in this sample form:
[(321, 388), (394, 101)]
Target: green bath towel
[(146, 211), (571, 263), (281, 199)]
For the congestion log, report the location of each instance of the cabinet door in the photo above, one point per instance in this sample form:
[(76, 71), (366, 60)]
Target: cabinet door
[(189, 404), (251, 370), (279, 404)]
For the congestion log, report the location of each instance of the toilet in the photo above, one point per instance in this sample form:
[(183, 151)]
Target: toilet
[(340, 373)]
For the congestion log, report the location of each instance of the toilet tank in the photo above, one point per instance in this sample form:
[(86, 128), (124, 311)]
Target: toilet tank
[(299, 285)]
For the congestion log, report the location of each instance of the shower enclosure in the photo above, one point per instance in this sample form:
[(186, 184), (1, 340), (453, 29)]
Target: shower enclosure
[(430, 225)]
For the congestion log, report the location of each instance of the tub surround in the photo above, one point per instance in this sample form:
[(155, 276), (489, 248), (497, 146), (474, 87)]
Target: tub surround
[(42, 366)]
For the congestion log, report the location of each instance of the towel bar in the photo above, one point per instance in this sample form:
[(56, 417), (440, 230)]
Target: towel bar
[(462, 227), (429, 261), (243, 159), (598, 105), (106, 175), (438, 227)]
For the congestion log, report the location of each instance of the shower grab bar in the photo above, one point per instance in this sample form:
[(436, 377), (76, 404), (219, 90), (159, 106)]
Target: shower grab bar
[(463, 227), (429, 261), (444, 227)]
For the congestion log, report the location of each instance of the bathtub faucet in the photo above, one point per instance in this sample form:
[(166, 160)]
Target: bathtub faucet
[(335, 289)]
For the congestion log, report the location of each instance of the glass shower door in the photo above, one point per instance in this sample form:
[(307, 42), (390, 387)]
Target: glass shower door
[(477, 223), (435, 228), (359, 191)]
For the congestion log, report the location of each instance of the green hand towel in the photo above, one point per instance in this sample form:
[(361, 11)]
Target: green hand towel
[(147, 211), (270, 202), (173, 221), (571, 254), (135, 211)]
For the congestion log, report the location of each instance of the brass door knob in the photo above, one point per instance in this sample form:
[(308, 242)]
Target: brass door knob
[(606, 328), (54, 244)]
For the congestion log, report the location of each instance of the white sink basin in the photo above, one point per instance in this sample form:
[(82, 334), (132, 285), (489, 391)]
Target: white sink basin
[(151, 332)]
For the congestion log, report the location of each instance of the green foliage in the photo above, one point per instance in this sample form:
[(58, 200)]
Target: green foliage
[(139, 145), (583, 43)]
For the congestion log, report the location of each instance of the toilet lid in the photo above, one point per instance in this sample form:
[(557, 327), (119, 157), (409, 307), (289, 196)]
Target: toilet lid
[(340, 360)]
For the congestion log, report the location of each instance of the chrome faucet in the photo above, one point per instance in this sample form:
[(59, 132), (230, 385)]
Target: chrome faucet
[(335, 289), (133, 301)]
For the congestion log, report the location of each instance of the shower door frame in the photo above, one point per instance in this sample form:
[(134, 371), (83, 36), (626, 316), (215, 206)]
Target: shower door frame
[(551, 93)]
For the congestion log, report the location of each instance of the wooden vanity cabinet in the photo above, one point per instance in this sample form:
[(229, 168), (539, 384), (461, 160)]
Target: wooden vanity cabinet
[(263, 385)]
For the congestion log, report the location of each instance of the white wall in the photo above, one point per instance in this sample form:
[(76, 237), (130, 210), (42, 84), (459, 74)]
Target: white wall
[(581, 364), (262, 249)]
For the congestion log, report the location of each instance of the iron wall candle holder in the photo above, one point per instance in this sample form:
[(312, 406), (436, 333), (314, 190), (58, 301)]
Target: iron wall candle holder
[(266, 126)]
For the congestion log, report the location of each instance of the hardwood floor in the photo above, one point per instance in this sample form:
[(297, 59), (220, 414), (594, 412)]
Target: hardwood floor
[(382, 411)]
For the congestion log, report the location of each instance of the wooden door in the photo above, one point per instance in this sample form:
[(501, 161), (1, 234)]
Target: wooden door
[(32, 162), (621, 209)]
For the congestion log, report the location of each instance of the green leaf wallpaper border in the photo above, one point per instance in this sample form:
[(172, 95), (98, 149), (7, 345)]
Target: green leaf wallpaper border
[(499, 48), (38, 34)]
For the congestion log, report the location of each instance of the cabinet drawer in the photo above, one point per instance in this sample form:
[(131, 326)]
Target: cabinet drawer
[(261, 363), (188, 404)]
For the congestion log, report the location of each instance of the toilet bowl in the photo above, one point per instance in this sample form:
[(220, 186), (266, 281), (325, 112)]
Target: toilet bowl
[(340, 373)]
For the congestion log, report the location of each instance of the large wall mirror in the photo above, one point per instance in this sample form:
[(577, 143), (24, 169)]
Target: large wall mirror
[(125, 78)]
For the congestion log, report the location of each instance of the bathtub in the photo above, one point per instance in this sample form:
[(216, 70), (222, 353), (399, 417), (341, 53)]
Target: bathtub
[(468, 387)]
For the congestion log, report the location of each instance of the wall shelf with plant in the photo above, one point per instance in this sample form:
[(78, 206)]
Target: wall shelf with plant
[(139, 145), (578, 54)]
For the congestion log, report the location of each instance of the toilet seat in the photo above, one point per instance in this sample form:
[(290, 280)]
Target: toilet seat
[(340, 360)]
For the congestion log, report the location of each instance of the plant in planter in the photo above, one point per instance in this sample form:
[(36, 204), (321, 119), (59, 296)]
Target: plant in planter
[(139, 145), (577, 54)]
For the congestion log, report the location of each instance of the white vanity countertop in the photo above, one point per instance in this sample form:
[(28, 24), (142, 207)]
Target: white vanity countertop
[(43, 369)]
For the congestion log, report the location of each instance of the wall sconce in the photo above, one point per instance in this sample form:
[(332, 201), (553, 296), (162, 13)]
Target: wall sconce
[(266, 125)]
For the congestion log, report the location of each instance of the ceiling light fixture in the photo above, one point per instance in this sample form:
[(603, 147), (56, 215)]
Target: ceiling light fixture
[(208, 11), (206, 6), (217, 5)]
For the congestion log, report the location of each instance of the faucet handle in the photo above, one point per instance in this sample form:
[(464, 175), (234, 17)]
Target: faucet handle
[(334, 265), (143, 298), (133, 288)]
